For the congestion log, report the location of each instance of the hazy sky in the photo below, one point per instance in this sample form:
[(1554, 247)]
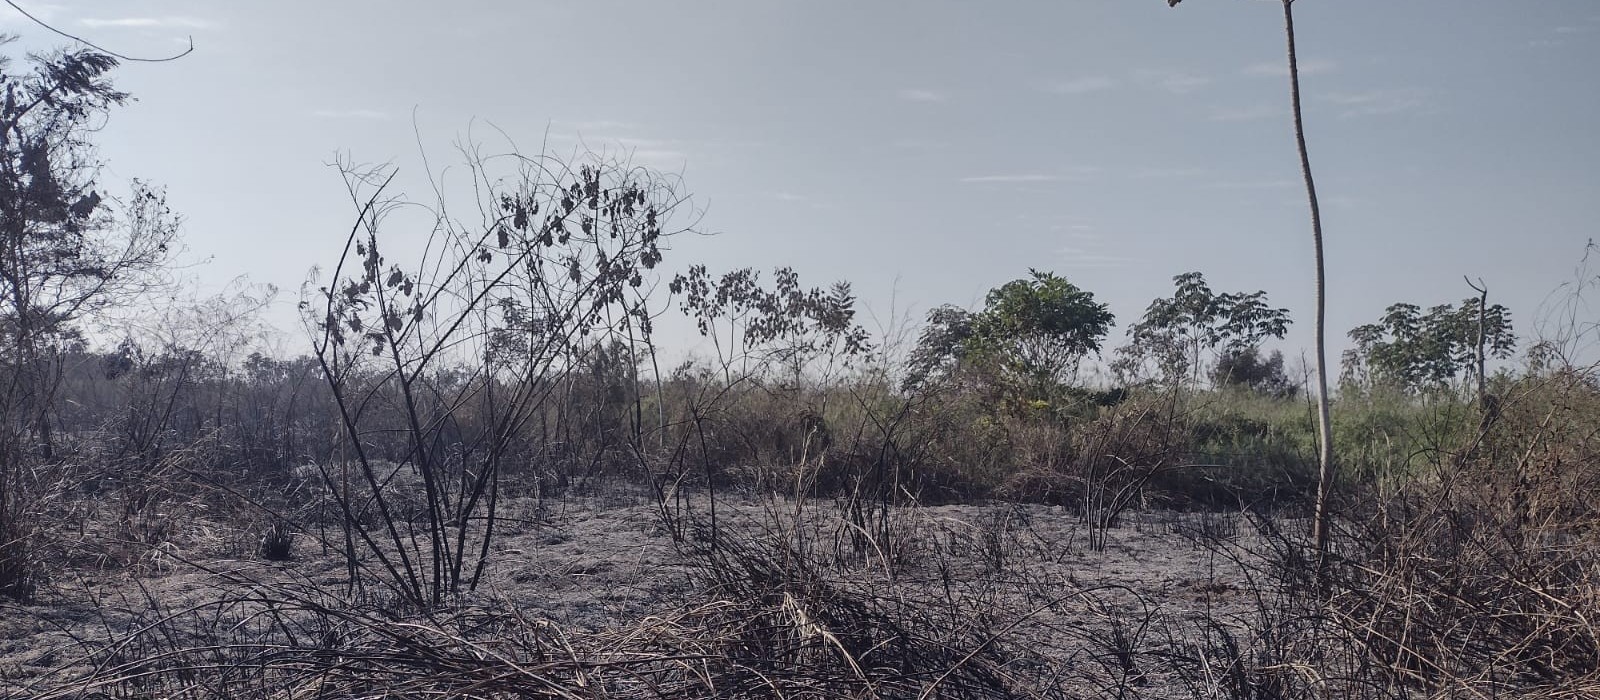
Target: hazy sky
[(925, 151)]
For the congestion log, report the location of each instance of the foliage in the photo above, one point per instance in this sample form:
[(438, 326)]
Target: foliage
[(1415, 351), (787, 324), (66, 250), (514, 344), (1041, 327), (1247, 368), (1176, 330), (941, 346), (1034, 331)]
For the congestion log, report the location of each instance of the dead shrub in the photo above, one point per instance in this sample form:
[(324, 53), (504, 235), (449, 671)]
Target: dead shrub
[(1485, 574), (277, 543)]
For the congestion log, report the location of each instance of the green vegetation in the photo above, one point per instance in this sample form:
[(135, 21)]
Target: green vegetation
[(1031, 334), (1413, 351), (513, 365), (1180, 334)]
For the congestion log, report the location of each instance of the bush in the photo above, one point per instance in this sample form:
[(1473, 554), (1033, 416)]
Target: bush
[(1482, 570), (277, 543)]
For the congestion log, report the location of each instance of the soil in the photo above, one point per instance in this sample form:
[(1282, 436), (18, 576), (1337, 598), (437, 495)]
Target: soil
[(588, 564)]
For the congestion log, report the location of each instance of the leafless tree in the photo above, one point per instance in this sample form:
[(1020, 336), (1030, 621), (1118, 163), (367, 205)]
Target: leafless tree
[(461, 347)]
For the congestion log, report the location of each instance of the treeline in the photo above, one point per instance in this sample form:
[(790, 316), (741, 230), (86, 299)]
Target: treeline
[(521, 344)]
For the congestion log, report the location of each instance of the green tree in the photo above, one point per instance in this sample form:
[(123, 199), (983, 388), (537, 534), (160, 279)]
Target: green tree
[(1178, 332), (1042, 327), (1034, 331), (1249, 369), (1416, 351), (941, 346), (751, 326)]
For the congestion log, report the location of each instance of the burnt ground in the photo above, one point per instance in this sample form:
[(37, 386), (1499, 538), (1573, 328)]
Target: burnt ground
[(591, 564)]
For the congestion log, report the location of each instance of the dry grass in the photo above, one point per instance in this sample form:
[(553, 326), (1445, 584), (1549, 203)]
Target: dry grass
[(1484, 576), (1472, 572)]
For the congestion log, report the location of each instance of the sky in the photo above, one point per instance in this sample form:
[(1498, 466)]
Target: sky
[(926, 152)]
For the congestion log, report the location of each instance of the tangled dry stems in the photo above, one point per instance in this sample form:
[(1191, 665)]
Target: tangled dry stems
[(1476, 578)]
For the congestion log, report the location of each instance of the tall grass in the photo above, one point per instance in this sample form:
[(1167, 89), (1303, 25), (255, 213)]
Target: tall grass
[(1463, 563)]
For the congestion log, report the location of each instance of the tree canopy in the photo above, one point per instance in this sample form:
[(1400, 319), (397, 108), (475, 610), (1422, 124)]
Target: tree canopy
[(1415, 351), (1035, 330), (1179, 333)]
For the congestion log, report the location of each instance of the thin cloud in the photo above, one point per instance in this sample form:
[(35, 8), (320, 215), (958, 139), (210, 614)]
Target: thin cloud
[(1328, 201), (647, 144), (789, 197), (1027, 177), (1373, 103), (1081, 234), (920, 95), (45, 13), (1175, 82), (1245, 114), (659, 156), (1281, 70), (654, 152), (1073, 256), (1169, 173), (1079, 86), (1183, 83), (1273, 184), (350, 114), (1563, 32), (1074, 173), (146, 22), (604, 125)]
